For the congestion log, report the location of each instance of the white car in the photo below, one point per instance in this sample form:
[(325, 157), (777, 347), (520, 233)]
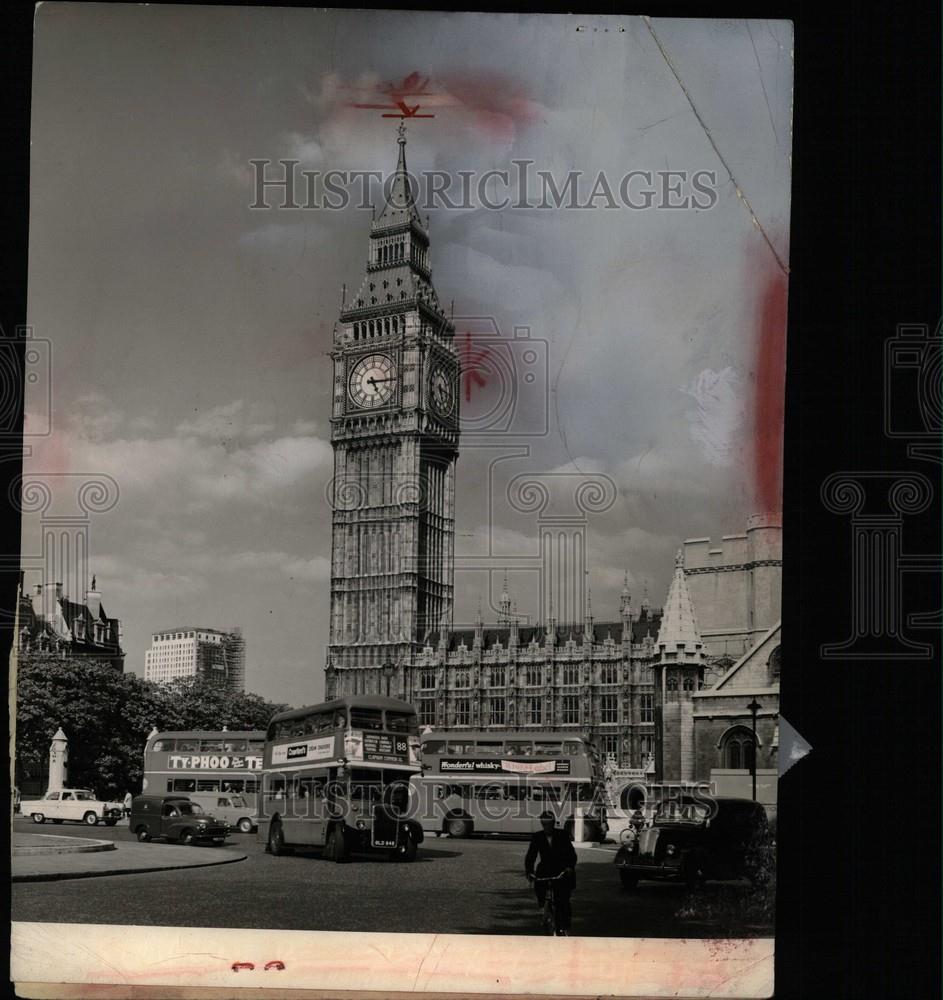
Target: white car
[(77, 804)]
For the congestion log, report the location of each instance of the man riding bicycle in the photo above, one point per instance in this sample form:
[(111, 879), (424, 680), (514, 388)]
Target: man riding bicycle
[(557, 857)]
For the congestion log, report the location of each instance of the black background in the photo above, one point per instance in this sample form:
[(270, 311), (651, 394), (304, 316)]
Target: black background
[(859, 819)]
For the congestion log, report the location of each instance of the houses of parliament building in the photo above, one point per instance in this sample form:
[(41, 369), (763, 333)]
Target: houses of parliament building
[(395, 435)]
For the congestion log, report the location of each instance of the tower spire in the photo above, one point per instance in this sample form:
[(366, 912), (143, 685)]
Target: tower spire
[(678, 634), (400, 206)]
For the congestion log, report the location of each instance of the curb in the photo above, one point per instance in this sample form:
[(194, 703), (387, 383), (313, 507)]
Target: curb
[(82, 846), (60, 876)]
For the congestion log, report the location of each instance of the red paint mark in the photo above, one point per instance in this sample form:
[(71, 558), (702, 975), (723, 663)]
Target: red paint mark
[(498, 104), (275, 964), (413, 85), (769, 390), (237, 966), (470, 358)]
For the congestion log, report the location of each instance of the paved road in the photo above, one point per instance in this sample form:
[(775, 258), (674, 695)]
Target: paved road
[(454, 886)]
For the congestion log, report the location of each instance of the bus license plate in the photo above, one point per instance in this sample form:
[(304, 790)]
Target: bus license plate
[(384, 843)]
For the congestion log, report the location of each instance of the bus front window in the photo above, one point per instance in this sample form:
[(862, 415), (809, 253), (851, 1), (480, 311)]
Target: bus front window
[(402, 722)]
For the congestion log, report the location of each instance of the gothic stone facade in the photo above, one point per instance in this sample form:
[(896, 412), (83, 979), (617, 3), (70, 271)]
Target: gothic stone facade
[(394, 430), (51, 624)]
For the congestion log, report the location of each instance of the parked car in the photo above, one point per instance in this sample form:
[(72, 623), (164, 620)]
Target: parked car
[(174, 818), (691, 840), (80, 805), (234, 810)]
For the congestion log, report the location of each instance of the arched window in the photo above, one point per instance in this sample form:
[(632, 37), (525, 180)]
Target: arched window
[(672, 683), (688, 683), (774, 662), (736, 749)]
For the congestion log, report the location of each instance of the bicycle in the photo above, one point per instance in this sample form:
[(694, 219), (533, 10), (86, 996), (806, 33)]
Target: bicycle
[(549, 915)]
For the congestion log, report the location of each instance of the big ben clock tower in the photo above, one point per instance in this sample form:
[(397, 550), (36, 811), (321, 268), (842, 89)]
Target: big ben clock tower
[(394, 430)]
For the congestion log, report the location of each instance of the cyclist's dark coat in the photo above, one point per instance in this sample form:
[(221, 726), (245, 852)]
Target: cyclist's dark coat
[(554, 856)]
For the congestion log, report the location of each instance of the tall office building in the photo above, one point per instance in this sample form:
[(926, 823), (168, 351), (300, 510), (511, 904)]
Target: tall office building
[(211, 654)]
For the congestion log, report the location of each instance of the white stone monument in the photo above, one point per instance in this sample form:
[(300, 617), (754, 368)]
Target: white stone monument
[(58, 761)]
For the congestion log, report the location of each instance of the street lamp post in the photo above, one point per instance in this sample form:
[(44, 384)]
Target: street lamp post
[(389, 668), (753, 708)]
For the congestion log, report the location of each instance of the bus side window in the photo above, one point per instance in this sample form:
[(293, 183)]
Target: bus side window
[(163, 745), (275, 789), (317, 786), (489, 792)]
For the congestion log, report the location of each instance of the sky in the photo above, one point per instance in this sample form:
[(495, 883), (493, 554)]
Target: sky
[(188, 335)]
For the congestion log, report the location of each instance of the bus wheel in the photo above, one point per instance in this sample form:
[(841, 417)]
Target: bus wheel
[(458, 828), (276, 840), (143, 835), (336, 847), (245, 825)]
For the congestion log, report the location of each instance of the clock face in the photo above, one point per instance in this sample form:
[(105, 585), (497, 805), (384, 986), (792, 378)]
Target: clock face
[(372, 381), (441, 391)]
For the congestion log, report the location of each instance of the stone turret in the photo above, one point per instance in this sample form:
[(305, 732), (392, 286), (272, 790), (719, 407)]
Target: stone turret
[(678, 669)]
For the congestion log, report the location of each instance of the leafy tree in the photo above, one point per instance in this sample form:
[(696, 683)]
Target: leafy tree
[(193, 703), (107, 717)]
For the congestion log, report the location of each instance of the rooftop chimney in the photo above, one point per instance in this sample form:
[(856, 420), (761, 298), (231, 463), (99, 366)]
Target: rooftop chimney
[(93, 600)]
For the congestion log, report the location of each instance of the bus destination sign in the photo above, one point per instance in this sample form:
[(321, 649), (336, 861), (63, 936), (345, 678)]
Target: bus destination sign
[(471, 765), (384, 747)]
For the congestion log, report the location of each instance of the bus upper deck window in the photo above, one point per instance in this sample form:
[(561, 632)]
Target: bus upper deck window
[(490, 748), (211, 746), (366, 718), (234, 746), (319, 722), (572, 747), (547, 749), (188, 746), (162, 745), (340, 718), (516, 748), (433, 746), (402, 722)]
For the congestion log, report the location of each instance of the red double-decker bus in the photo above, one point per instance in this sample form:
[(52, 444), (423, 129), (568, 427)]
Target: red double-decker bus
[(205, 762), (336, 776)]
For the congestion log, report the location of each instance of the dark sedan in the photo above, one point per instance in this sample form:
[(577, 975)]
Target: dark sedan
[(691, 840)]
